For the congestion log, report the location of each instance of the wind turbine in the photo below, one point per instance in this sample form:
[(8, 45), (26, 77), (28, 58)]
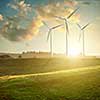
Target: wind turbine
[(83, 37), (50, 35), (66, 27)]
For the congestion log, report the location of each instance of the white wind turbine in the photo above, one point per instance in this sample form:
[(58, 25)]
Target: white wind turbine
[(66, 27), (82, 28), (50, 29)]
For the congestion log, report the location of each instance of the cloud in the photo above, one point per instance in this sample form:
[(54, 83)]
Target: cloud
[(70, 3), (12, 31), (1, 17), (86, 3), (83, 2), (22, 7), (35, 25), (97, 18), (14, 34), (61, 9)]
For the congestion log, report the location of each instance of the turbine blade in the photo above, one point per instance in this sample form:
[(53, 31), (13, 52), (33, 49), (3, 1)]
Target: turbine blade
[(49, 34), (79, 26), (72, 13), (85, 26), (45, 24), (57, 26)]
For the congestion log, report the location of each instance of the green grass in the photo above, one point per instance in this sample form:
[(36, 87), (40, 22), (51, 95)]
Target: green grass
[(30, 66), (80, 85)]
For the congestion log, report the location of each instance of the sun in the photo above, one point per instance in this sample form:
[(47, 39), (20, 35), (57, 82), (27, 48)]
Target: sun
[(74, 51)]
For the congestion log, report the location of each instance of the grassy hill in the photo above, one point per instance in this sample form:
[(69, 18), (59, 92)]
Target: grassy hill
[(72, 84)]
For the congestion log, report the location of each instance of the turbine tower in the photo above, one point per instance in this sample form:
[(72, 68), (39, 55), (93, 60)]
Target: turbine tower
[(83, 37), (66, 27), (50, 29)]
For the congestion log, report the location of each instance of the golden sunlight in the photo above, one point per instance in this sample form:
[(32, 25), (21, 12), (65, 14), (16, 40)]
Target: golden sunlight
[(74, 51)]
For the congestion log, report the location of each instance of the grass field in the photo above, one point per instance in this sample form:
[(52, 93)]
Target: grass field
[(30, 66), (50, 79)]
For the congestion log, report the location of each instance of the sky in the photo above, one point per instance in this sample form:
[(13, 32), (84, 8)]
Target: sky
[(22, 28)]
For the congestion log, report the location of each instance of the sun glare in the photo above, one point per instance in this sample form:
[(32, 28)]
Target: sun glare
[(74, 52)]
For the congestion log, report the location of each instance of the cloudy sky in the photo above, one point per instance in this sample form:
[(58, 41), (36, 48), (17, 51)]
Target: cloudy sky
[(22, 28)]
